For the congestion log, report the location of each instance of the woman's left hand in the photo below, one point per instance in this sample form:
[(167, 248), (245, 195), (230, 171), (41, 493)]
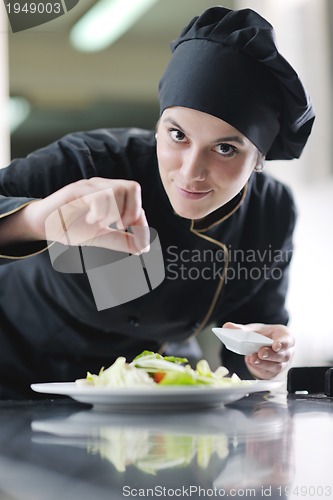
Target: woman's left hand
[(269, 361)]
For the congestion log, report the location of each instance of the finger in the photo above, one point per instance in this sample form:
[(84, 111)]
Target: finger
[(113, 239), (115, 204), (261, 328), (104, 207), (269, 360), (264, 369), (130, 204), (268, 354), (235, 326), (141, 232), (254, 327), (98, 209), (282, 341)]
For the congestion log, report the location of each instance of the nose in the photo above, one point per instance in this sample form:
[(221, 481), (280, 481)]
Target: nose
[(193, 166)]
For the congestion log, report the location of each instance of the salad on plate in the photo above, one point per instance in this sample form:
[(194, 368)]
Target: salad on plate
[(152, 369)]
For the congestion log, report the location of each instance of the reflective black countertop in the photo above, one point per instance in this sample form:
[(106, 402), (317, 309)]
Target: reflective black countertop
[(263, 446)]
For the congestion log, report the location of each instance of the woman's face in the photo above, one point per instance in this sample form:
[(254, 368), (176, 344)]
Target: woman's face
[(204, 162)]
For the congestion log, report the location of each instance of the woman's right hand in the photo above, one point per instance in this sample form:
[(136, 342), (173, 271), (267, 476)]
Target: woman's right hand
[(82, 212)]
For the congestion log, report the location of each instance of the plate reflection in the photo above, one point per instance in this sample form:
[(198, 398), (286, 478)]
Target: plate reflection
[(225, 448)]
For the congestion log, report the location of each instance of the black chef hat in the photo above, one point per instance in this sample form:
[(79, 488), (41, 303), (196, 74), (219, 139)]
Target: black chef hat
[(226, 63)]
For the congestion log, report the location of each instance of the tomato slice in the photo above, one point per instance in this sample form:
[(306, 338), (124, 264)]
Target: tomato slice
[(158, 377)]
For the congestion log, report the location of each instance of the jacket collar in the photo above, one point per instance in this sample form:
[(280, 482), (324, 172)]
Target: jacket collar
[(221, 214)]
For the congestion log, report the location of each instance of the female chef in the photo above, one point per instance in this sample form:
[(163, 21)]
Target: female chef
[(76, 218)]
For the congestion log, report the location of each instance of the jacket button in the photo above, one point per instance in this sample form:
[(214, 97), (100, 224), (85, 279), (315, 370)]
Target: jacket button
[(133, 320)]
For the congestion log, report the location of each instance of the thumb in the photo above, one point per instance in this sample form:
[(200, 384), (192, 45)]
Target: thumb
[(235, 326)]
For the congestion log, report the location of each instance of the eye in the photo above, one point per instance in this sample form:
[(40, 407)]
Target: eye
[(225, 149), (177, 135)]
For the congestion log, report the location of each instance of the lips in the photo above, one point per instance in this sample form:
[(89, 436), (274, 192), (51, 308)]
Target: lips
[(192, 195)]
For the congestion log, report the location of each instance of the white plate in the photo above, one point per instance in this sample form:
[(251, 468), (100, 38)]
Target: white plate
[(242, 341), (155, 398)]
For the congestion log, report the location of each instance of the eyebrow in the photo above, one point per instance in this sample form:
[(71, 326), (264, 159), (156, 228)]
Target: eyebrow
[(228, 138)]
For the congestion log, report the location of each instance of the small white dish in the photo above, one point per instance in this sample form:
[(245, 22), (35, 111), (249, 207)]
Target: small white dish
[(242, 341)]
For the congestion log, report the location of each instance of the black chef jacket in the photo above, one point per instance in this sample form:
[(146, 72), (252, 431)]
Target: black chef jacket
[(230, 266)]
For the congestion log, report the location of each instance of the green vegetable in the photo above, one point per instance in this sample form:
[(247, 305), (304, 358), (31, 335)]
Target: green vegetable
[(155, 355)]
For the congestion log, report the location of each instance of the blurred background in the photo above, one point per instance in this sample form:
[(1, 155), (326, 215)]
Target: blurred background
[(57, 84)]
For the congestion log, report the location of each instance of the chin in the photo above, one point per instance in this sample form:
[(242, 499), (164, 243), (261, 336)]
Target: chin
[(190, 213)]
